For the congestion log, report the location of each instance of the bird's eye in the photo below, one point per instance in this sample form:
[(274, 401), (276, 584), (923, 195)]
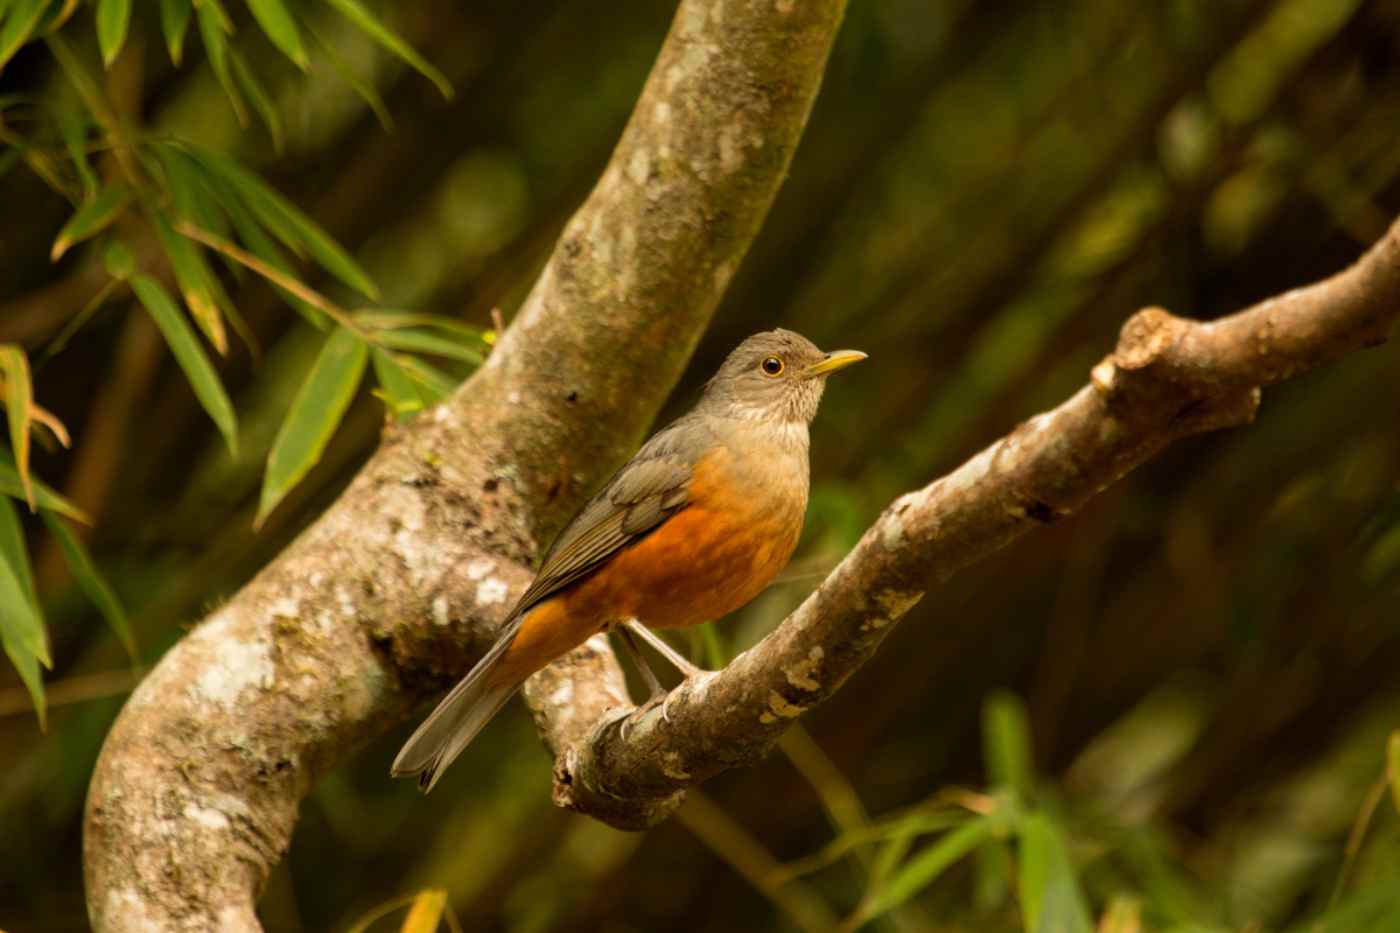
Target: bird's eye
[(772, 366)]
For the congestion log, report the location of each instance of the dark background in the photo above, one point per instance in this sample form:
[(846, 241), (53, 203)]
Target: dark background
[(1208, 652)]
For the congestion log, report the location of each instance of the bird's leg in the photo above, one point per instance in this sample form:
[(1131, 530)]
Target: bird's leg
[(639, 660), (678, 661)]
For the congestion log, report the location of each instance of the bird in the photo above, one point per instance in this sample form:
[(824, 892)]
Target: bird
[(697, 523)]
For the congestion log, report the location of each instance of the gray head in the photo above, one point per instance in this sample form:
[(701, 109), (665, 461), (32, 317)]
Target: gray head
[(775, 376)]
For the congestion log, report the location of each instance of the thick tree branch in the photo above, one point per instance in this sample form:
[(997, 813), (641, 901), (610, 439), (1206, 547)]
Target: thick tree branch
[(1168, 378), (393, 592)]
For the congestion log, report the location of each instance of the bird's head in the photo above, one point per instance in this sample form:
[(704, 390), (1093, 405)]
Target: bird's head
[(775, 376)]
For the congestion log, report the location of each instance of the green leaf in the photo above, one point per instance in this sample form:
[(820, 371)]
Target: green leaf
[(1007, 744), (316, 411), (73, 124), (366, 89), (19, 392), (435, 384), (286, 222), (90, 219), (398, 389), (175, 22), (213, 28), (113, 18), (10, 485), (392, 320), (201, 290), (21, 622), (419, 341), (93, 583), (276, 20), (262, 103), (27, 665), (923, 869), (18, 27), (360, 15), (188, 353), (1392, 759), (118, 260), (1051, 901)]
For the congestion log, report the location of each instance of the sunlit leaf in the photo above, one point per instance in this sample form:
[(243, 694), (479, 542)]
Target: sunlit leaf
[(400, 392), (1051, 901), (286, 222), (113, 18), (19, 398), (1007, 743), (923, 869), (92, 218), (425, 913), (360, 15), (277, 22), (27, 666), (420, 341), (47, 498), (174, 23), (93, 583), (198, 286), (21, 622), (188, 353), (435, 384), (18, 26), (1123, 915), (316, 411)]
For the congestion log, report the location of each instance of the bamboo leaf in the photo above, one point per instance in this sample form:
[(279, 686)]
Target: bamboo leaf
[(93, 583), (276, 20), (286, 222), (1007, 744), (316, 411), (420, 341), (435, 384), (27, 666), (923, 869), (21, 622), (198, 286), (47, 498), (113, 19), (118, 260), (19, 400), (262, 103), (73, 125), (18, 26), (90, 219), (174, 23), (188, 353), (213, 28), (398, 389), (1051, 901), (1392, 758), (425, 913), (382, 319), (360, 15)]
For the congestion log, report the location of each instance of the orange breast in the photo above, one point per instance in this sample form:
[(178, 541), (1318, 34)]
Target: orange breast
[(710, 558)]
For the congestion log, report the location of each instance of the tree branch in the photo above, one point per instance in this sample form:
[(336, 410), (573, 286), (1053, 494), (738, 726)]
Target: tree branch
[(1168, 378), (392, 593)]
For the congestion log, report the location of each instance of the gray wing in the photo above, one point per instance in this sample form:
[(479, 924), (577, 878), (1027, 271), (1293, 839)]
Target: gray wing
[(650, 488)]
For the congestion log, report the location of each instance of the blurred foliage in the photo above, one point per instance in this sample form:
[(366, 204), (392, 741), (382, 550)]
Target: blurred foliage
[(222, 219)]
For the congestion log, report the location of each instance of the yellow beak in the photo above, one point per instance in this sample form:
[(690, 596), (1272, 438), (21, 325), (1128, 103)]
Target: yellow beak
[(837, 359)]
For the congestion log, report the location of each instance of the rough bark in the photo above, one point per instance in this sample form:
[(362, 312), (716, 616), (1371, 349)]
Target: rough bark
[(1167, 378), (392, 593)]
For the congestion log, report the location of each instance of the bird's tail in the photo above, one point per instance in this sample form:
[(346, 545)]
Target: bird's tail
[(459, 717)]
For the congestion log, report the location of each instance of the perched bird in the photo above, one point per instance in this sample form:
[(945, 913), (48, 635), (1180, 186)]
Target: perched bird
[(691, 528)]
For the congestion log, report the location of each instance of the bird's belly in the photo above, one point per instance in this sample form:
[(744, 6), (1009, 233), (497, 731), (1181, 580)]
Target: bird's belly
[(701, 564)]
